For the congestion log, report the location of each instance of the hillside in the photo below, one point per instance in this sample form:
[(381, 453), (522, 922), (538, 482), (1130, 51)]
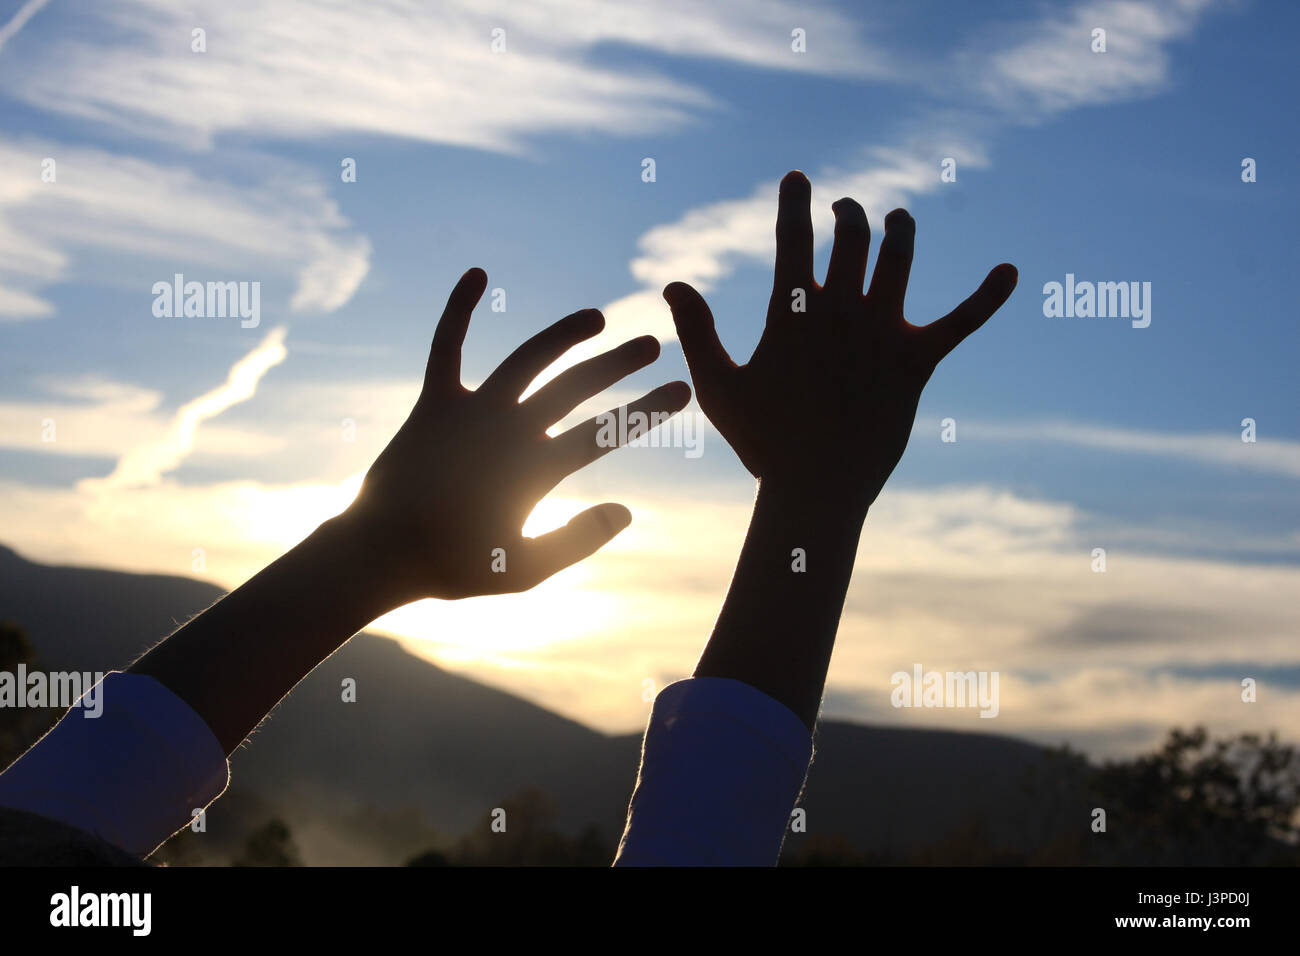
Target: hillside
[(423, 755)]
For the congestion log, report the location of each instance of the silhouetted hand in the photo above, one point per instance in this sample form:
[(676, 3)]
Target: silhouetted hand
[(455, 483), (462, 474), (826, 402)]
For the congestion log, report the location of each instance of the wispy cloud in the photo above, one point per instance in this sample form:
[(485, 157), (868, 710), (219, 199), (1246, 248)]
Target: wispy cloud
[(19, 20), (416, 71), (1277, 456), (93, 417), (147, 464), (1052, 65), (142, 211)]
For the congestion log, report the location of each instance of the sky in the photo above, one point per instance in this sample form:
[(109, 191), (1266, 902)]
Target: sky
[(518, 138)]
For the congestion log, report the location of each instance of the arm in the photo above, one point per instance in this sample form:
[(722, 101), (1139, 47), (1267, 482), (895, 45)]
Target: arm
[(455, 483), (820, 415)]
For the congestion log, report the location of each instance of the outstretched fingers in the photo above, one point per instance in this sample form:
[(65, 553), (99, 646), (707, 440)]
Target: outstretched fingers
[(794, 236), (529, 360), (893, 265), (848, 266), (584, 443), (575, 385)]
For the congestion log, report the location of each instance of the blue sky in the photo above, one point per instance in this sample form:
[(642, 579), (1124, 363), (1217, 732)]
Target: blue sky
[(1072, 433)]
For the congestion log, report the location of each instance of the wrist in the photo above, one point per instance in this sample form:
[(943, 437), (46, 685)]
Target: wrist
[(351, 557), (813, 503)]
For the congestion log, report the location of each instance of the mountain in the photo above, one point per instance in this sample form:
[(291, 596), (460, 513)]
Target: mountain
[(423, 755)]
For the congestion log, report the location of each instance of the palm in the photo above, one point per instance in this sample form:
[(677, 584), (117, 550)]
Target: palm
[(444, 504)]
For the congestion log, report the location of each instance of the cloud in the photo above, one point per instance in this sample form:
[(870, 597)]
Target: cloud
[(305, 68), (1122, 624), (19, 20), (1275, 456), (1053, 67), (16, 305), (97, 418), (131, 210), (146, 465)]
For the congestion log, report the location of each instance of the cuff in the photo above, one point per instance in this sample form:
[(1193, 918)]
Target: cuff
[(133, 775), (721, 768)]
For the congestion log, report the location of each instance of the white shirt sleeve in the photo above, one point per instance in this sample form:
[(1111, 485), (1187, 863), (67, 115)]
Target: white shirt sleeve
[(133, 775), (721, 768)]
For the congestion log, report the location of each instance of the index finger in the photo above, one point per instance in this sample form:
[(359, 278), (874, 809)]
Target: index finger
[(443, 367)]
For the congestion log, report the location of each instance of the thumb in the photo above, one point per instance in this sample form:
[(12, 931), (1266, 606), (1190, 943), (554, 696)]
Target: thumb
[(705, 356), (585, 534), (947, 333)]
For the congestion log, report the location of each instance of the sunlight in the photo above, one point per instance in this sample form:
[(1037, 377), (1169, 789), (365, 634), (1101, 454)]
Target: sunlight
[(503, 630), (287, 515)]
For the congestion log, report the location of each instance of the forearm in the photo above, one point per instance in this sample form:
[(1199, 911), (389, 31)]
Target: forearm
[(155, 754), (777, 627), (234, 662)]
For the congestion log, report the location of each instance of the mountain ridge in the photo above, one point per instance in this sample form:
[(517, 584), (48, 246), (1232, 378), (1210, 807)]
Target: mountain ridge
[(425, 754)]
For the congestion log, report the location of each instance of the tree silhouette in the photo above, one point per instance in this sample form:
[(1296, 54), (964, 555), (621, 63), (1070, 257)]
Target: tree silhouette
[(1192, 802), (15, 649), (528, 839), (269, 845), (19, 726), (1232, 802)]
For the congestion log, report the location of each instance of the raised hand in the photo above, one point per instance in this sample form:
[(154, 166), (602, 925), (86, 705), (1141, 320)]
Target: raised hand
[(827, 401), (455, 483), (462, 474)]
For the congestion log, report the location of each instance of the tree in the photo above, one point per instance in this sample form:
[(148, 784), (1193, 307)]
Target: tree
[(269, 845)]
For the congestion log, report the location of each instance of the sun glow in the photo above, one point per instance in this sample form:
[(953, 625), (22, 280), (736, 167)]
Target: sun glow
[(287, 515), (503, 630)]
